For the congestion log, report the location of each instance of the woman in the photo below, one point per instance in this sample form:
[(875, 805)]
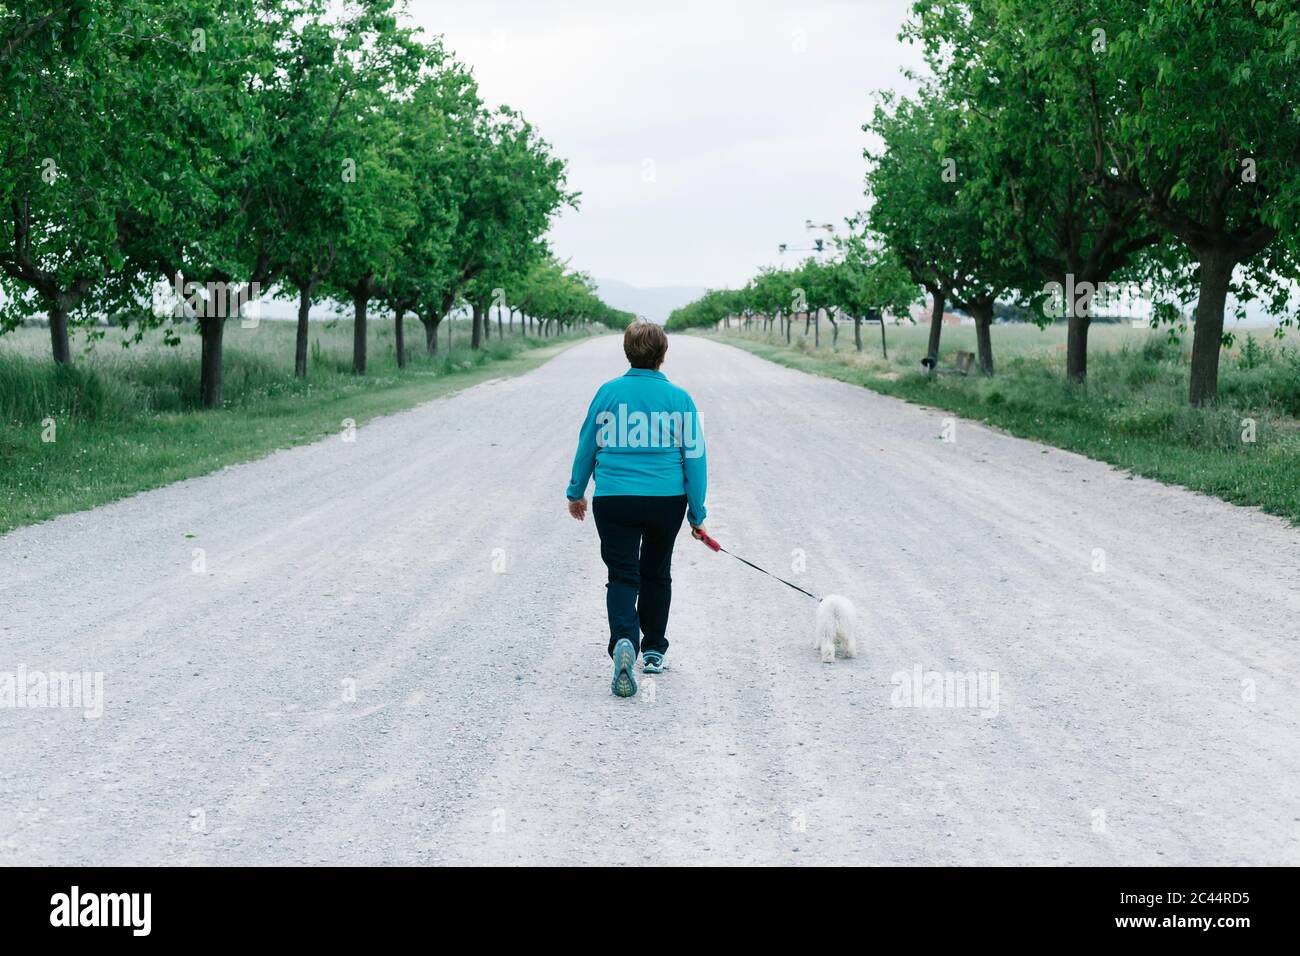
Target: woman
[(642, 440)]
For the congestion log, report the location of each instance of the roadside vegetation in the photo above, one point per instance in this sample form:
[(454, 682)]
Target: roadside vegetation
[(1058, 164), (169, 166), (1132, 414), (126, 420)]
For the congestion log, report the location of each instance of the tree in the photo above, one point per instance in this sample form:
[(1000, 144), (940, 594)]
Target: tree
[(1201, 131), (432, 125), (307, 185), (871, 282), (816, 287), (982, 265), (705, 312), (202, 220), (772, 293), (44, 29), (384, 71), (911, 200), (515, 189), (1023, 71), (69, 164)]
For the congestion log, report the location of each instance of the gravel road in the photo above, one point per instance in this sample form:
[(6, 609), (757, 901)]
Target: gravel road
[(391, 650)]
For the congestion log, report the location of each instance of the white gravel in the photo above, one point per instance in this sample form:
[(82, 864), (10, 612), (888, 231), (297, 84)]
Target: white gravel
[(1147, 712)]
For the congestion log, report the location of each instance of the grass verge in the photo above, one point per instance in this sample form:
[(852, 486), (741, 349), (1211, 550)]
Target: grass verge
[(1132, 413), (124, 420)]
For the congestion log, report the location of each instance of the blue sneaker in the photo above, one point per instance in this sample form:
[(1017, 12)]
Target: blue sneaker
[(652, 662), (624, 683)]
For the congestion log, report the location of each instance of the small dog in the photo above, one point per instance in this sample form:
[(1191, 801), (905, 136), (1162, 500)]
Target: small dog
[(836, 621)]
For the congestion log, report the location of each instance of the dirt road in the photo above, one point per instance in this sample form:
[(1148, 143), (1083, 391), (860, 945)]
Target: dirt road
[(391, 650)]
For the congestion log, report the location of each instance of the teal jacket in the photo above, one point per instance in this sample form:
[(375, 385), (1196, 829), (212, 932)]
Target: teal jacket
[(642, 436)]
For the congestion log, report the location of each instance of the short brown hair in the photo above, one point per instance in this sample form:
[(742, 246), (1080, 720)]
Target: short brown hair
[(645, 344)]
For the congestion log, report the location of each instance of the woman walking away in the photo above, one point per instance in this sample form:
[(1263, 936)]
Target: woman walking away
[(642, 440)]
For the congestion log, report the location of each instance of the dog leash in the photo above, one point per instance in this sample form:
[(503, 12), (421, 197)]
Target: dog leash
[(704, 536)]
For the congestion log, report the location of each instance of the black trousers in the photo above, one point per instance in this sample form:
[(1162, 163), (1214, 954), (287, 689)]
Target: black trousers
[(637, 534)]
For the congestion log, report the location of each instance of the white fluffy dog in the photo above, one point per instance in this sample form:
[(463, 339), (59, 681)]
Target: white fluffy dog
[(836, 622)]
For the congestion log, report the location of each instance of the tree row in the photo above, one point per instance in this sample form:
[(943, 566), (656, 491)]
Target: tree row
[(1056, 152), (222, 150)]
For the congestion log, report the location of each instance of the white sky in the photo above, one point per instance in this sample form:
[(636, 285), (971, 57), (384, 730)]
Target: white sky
[(745, 117)]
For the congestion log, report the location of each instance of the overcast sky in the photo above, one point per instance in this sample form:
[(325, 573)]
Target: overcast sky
[(701, 134)]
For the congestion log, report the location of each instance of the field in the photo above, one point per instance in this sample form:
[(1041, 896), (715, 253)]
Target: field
[(122, 420), (1132, 413)]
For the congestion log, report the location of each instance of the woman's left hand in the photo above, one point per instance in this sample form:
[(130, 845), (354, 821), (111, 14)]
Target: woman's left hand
[(579, 509)]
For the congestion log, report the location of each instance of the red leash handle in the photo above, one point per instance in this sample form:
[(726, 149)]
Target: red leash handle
[(704, 536)]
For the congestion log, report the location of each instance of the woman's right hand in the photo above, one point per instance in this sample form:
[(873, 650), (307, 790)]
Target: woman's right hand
[(698, 532)]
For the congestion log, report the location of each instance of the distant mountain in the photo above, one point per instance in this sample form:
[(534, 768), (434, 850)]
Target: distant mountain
[(655, 304)]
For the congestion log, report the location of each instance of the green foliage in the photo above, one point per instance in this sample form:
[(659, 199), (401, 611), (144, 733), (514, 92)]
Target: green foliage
[(306, 148), (129, 419), (912, 191), (548, 289), (865, 282), (705, 312), (1131, 140)]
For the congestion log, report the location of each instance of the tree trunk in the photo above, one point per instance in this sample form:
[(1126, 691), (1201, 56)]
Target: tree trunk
[(884, 350), (817, 328), (789, 321), (936, 326), (360, 304), (1207, 338), (398, 341), (300, 342), (983, 340), (430, 334), (476, 334), (211, 329), (500, 333), (1076, 344), (857, 332), (58, 320)]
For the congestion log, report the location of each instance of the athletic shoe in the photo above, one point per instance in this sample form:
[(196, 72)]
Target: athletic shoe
[(624, 682), (652, 662)]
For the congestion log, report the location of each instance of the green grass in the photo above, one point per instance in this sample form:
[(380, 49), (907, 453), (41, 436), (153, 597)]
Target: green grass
[(127, 420), (1132, 413)]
